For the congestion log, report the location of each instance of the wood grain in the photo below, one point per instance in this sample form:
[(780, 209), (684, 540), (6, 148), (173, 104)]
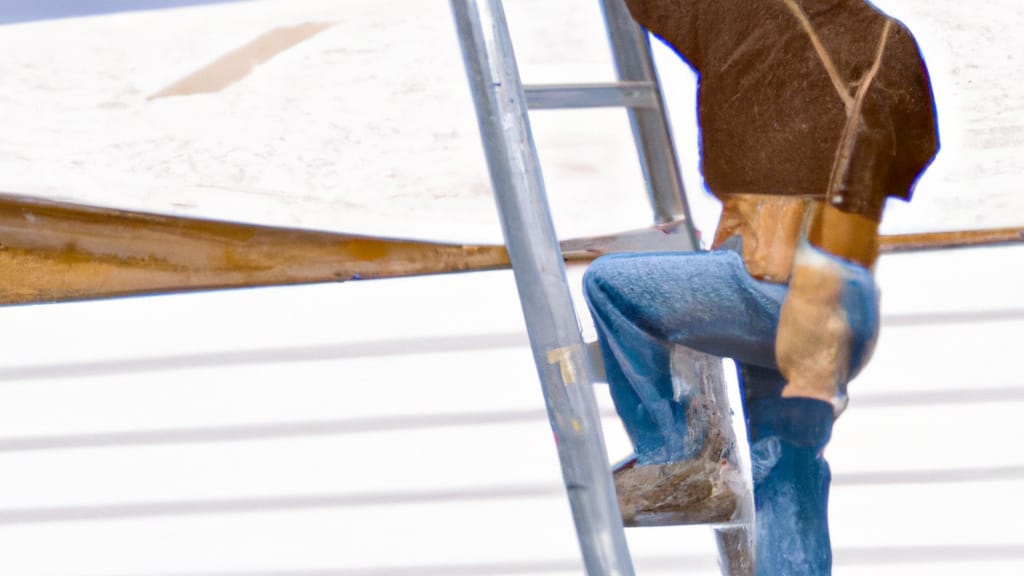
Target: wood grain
[(53, 251)]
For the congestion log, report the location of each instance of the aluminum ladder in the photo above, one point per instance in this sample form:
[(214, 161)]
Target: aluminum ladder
[(563, 362)]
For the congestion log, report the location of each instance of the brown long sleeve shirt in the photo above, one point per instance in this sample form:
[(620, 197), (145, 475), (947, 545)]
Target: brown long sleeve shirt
[(773, 118)]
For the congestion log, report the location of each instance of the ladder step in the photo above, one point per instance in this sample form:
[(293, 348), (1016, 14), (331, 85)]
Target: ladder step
[(630, 94)]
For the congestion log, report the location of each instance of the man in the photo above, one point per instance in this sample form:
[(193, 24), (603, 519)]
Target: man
[(813, 113)]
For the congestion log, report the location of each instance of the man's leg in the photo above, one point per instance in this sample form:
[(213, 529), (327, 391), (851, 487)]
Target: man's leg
[(791, 476), (707, 301), (642, 304), (788, 435)]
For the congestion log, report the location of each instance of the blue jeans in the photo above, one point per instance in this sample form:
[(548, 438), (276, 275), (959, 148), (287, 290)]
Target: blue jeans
[(643, 304)]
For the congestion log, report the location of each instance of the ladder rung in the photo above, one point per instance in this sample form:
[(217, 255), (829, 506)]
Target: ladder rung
[(634, 94)]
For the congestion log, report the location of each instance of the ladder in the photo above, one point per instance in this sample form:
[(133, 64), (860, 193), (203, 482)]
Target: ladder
[(566, 368)]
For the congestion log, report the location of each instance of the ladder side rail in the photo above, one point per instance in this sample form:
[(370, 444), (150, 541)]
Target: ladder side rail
[(634, 62), (555, 335)]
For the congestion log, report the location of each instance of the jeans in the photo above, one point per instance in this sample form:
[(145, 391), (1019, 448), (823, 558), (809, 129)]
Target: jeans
[(644, 304)]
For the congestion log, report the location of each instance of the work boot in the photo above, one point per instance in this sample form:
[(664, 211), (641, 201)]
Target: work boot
[(700, 490)]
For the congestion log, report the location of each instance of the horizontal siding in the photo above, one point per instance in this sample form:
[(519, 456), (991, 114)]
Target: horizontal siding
[(412, 460)]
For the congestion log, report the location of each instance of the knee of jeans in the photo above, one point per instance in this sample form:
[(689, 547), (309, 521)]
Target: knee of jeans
[(595, 280)]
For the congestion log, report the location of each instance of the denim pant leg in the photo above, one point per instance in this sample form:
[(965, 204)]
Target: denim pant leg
[(787, 437), (644, 303), (791, 477)]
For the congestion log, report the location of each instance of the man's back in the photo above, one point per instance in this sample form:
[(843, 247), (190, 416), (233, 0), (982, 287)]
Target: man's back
[(778, 80)]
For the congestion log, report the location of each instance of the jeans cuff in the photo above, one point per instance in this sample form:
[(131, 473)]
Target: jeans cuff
[(803, 422)]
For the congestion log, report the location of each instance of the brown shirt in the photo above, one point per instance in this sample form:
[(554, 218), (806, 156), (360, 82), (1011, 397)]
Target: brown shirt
[(771, 116)]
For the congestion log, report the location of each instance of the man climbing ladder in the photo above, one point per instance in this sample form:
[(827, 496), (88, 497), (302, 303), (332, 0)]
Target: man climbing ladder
[(812, 113)]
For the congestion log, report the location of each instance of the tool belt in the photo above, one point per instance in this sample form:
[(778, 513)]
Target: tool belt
[(768, 227)]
